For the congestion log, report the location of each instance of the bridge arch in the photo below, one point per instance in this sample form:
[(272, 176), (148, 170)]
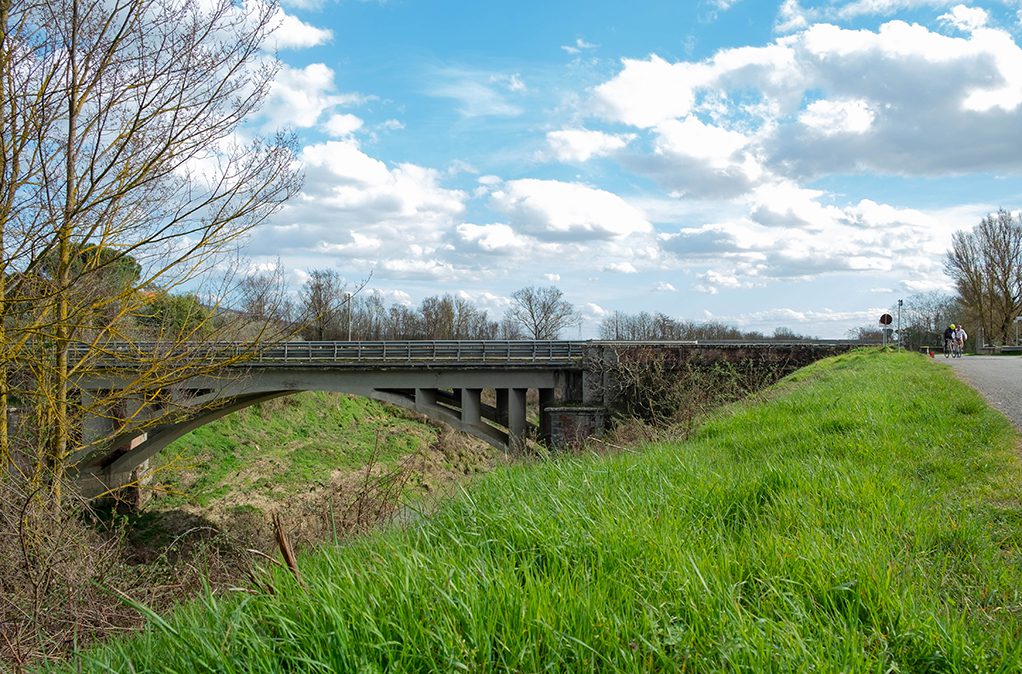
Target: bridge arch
[(451, 397), (443, 380)]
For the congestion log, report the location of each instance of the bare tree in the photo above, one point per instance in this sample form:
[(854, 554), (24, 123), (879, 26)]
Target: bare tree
[(509, 329), (867, 334), (263, 297), (403, 323), (659, 327), (123, 138), (542, 312), (450, 317), (370, 316), (323, 301), (925, 316), (986, 267)]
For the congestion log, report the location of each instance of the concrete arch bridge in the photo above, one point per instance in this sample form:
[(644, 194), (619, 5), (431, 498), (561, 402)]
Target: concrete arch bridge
[(444, 380)]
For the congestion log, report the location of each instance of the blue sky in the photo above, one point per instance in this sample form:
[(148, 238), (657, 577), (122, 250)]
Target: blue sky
[(798, 164)]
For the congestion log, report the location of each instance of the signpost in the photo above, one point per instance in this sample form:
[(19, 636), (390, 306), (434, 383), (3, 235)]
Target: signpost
[(885, 320)]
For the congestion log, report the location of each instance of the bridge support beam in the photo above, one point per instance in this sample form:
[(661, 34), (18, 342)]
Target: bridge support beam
[(425, 398), (471, 406), (516, 422), (502, 406)]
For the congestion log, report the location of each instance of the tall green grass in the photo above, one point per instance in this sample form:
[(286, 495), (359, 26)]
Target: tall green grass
[(864, 517), (284, 447)]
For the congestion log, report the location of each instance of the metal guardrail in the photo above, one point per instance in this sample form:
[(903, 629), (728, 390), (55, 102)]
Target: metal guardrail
[(419, 353), (351, 354), (452, 352)]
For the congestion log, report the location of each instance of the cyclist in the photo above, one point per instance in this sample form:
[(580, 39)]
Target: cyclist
[(949, 334), (959, 337)]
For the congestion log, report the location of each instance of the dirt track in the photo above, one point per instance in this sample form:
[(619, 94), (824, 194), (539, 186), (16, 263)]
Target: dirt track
[(998, 378)]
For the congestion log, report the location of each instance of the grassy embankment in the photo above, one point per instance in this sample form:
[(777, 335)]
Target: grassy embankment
[(271, 454), (866, 516)]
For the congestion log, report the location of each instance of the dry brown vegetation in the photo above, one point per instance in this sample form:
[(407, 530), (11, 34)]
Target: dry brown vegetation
[(66, 572), (664, 389)]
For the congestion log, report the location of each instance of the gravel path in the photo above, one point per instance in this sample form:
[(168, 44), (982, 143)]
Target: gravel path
[(997, 378)]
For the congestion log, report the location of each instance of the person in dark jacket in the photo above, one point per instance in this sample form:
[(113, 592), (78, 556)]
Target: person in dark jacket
[(948, 335)]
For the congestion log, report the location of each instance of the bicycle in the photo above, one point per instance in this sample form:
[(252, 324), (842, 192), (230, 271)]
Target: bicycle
[(956, 348), (947, 348)]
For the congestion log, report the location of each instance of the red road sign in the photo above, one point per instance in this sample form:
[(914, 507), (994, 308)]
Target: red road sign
[(886, 319)]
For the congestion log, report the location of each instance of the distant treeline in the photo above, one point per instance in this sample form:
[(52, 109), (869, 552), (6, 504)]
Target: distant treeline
[(328, 309), (436, 317), (644, 326)]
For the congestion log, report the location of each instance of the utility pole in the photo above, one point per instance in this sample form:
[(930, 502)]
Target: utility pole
[(347, 298), (899, 324)]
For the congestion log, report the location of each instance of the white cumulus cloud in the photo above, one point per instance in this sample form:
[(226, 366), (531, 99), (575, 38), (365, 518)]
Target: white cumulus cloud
[(299, 96), (492, 238), (342, 125), (966, 19), (579, 145), (646, 93), (901, 98), (293, 33), (394, 219), (556, 210), (835, 117)]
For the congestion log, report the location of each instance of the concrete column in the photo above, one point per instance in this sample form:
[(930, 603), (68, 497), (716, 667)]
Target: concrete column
[(572, 387), (546, 398), (122, 431), (516, 423), (502, 397), (425, 398), (98, 426), (470, 406)]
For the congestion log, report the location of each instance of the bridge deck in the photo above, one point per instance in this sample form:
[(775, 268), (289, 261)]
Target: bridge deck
[(421, 353)]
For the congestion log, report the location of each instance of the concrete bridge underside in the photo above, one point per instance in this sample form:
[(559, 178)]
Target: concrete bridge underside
[(452, 397)]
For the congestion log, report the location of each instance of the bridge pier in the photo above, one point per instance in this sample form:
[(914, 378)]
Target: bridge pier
[(425, 399), (471, 406), (546, 400), (502, 406), (516, 422)]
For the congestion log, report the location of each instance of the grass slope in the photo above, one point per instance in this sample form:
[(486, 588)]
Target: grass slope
[(864, 518), (271, 452)]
